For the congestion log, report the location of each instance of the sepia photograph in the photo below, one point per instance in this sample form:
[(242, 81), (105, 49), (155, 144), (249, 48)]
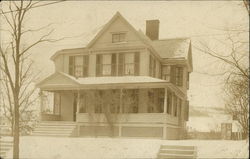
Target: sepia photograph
[(124, 79)]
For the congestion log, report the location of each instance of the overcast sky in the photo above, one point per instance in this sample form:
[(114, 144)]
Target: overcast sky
[(195, 19)]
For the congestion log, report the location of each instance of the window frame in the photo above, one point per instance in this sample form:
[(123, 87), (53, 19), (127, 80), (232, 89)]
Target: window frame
[(179, 75), (119, 37), (110, 65), (166, 73), (84, 65), (129, 64)]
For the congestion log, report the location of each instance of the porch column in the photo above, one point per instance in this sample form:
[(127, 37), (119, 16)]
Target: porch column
[(165, 101), (78, 102), (165, 112)]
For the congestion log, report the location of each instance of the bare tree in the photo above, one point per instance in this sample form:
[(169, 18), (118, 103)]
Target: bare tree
[(14, 54), (234, 69), (28, 98)]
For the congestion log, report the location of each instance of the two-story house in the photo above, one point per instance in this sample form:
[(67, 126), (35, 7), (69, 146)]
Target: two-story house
[(123, 83)]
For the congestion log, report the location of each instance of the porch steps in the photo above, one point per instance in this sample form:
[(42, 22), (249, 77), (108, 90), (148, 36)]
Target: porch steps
[(177, 152), (54, 128), (5, 146)]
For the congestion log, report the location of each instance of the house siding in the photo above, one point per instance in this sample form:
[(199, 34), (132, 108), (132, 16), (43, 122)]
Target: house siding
[(117, 26)]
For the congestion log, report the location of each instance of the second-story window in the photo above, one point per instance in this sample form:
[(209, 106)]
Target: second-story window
[(78, 66), (152, 66), (176, 75), (118, 37), (129, 63), (166, 73), (106, 64), (179, 76)]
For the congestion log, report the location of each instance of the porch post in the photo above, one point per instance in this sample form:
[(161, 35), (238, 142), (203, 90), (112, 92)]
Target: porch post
[(165, 101), (78, 102), (120, 104), (165, 112)]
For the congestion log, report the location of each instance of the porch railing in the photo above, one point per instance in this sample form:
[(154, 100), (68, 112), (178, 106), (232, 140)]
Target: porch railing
[(135, 118)]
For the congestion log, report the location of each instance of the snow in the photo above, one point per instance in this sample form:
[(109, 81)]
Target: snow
[(96, 148), (122, 79), (211, 121)]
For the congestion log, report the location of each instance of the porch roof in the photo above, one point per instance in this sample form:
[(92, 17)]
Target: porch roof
[(63, 81)]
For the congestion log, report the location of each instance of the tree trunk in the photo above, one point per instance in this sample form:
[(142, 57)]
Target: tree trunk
[(16, 129)]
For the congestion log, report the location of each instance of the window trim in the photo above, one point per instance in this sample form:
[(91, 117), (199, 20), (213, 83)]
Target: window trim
[(119, 37), (84, 66)]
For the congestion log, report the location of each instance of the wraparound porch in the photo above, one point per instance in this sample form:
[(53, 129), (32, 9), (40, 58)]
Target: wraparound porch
[(135, 109)]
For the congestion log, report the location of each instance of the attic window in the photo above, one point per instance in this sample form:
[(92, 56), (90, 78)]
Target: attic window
[(118, 37)]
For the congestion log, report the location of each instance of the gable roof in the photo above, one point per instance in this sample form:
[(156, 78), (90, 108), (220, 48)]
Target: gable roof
[(106, 26), (165, 48), (59, 80)]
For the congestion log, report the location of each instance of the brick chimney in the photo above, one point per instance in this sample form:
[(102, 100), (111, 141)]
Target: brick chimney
[(152, 29)]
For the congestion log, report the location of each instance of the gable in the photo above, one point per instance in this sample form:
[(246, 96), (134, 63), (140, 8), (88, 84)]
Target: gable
[(58, 80), (116, 25)]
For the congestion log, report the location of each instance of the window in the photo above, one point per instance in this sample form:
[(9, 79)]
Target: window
[(78, 66), (179, 76), (118, 37), (152, 66), (106, 65), (128, 63), (188, 80), (176, 75), (166, 73)]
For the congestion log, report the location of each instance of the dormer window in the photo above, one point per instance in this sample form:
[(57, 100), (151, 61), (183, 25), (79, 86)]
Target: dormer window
[(118, 37)]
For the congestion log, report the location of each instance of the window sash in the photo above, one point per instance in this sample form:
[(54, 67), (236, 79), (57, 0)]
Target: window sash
[(118, 37), (166, 73), (78, 66)]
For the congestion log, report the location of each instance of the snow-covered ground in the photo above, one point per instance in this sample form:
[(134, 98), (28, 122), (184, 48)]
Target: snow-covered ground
[(32, 147)]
